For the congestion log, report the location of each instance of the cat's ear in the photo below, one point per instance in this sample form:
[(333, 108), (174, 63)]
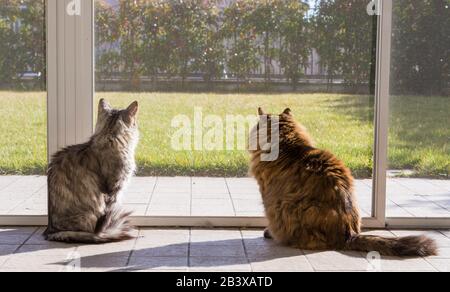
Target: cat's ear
[(104, 106), (261, 112), (133, 109), (288, 112)]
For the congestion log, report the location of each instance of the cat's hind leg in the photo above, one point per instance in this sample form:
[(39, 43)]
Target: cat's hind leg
[(76, 237), (113, 226)]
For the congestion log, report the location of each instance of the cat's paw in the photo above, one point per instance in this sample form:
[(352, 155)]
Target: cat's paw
[(267, 234)]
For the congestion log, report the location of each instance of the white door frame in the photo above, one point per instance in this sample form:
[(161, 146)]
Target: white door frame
[(381, 113), (70, 63), (382, 131), (70, 66)]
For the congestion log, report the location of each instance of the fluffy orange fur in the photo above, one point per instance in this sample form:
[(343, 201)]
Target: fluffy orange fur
[(309, 198)]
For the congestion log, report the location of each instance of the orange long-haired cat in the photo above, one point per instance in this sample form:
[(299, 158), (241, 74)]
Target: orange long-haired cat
[(309, 198)]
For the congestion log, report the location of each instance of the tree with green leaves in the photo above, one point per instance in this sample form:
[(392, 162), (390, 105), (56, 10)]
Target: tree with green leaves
[(155, 39), (343, 37), (106, 39), (130, 28), (295, 40), (324, 37), (187, 24), (421, 47), (211, 58), (23, 44), (237, 28), (265, 19)]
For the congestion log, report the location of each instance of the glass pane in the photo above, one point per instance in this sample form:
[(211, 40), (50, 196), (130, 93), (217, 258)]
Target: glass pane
[(419, 149), (201, 61), (23, 146)]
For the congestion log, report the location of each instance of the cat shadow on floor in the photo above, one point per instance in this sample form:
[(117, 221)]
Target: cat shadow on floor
[(215, 254), (218, 254)]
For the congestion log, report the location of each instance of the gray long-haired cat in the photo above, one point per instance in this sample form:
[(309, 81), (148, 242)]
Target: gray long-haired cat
[(85, 181)]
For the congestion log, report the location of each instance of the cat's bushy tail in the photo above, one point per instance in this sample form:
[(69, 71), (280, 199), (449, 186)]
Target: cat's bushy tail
[(403, 247), (112, 227)]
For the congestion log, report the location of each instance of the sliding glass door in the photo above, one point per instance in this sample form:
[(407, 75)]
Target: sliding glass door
[(369, 79), (23, 108), (200, 70), (418, 183)]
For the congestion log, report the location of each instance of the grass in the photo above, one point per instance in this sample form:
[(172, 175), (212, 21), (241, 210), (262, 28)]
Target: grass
[(419, 135), (23, 146)]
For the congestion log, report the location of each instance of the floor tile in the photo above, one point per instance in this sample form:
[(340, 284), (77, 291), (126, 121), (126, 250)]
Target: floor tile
[(395, 189), (6, 251), (161, 237), (32, 209), (211, 196), (210, 250), (101, 263), (420, 186), (136, 198), (158, 263), (445, 232), (115, 249), (216, 237), (337, 261), (15, 235), (286, 264), (443, 253), (209, 186), (173, 185), (204, 211), (178, 212), (248, 196), (219, 264), (249, 206), (211, 207), (394, 210), (421, 207), (443, 184), (141, 185), (171, 196), (161, 250), (441, 265), (26, 184), (242, 186), (136, 209), (36, 263), (7, 180), (440, 200), (168, 201), (201, 250), (43, 250), (393, 264), (271, 251)]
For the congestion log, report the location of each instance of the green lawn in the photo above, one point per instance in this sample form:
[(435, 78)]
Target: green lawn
[(419, 136)]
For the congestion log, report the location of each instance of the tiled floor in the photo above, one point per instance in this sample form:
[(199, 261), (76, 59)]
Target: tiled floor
[(186, 196), (192, 250)]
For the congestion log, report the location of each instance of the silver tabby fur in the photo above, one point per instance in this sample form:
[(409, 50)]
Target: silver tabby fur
[(85, 181)]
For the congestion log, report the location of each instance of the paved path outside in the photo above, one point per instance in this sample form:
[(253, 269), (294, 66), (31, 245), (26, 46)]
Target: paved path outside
[(193, 196), (199, 250)]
